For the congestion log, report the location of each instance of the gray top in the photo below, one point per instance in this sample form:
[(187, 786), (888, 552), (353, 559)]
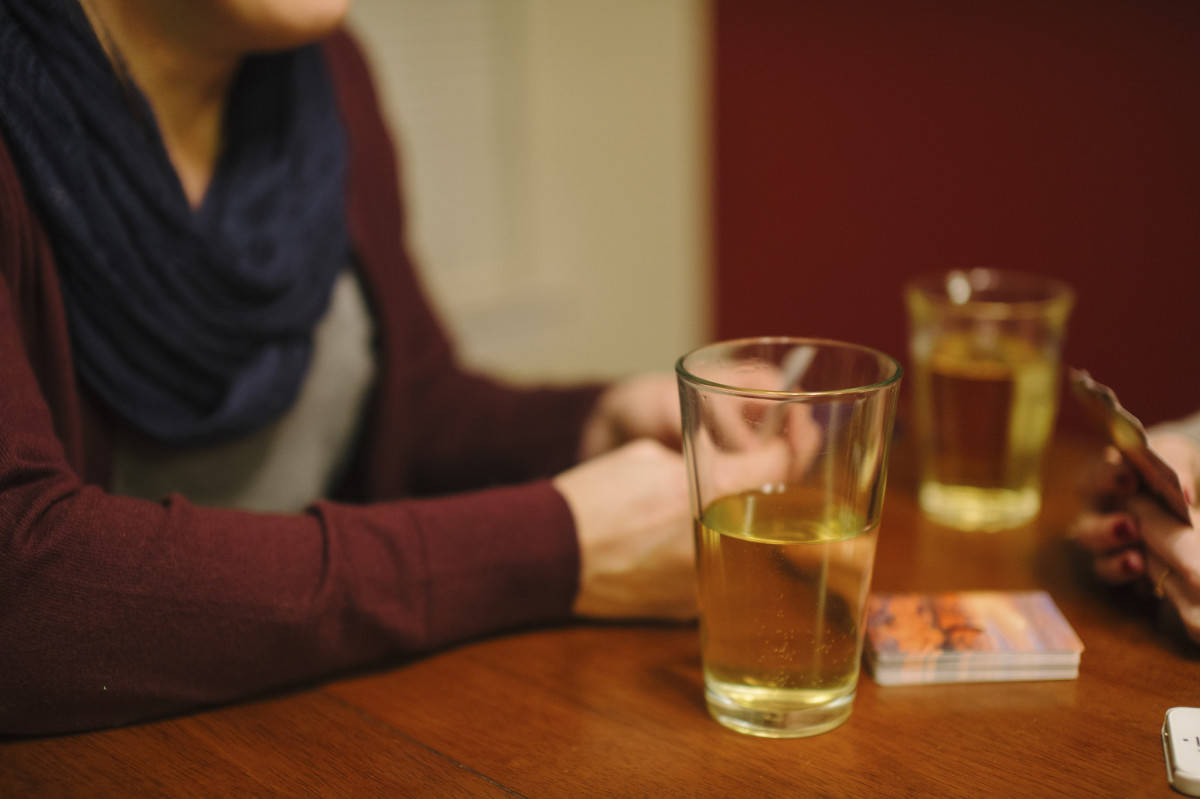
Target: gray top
[(290, 463)]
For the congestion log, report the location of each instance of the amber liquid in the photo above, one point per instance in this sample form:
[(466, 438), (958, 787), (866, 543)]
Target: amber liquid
[(984, 414), (783, 583)]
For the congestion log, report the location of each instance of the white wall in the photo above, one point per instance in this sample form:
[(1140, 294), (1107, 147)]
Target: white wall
[(555, 157)]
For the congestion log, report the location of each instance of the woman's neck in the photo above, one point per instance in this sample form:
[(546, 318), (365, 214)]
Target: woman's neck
[(186, 86)]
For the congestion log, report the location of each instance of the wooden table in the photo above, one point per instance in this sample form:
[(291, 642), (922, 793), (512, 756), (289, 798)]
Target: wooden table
[(617, 710)]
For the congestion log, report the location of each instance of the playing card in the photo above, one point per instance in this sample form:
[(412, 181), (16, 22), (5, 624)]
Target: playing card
[(1129, 437)]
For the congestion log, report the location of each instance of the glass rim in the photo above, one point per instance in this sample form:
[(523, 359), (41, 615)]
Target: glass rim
[(778, 394), (931, 286)]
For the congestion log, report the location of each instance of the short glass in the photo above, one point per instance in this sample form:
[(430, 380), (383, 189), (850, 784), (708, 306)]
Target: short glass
[(985, 347), (786, 442)]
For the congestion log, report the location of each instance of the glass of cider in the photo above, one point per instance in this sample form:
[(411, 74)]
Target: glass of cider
[(786, 442), (985, 346)]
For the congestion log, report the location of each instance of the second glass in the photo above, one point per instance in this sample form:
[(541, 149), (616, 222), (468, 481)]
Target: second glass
[(786, 442), (985, 347)]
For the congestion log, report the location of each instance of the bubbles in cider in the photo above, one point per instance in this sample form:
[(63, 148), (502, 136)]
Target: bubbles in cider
[(782, 591)]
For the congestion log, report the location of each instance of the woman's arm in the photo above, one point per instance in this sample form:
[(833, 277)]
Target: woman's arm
[(114, 609)]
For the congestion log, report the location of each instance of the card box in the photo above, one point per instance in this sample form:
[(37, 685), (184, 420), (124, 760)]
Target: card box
[(969, 636)]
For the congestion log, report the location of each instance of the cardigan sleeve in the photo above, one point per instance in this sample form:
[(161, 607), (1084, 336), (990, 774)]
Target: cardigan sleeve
[(115, 609)]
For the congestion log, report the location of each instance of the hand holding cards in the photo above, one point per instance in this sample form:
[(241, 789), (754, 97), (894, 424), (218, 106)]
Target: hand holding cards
[(1129, 437)]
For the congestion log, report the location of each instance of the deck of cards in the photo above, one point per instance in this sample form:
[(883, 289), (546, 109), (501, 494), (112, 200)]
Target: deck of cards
[(969, 636)]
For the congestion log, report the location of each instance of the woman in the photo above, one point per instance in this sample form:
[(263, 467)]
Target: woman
[(230, 425), (1131, 538)]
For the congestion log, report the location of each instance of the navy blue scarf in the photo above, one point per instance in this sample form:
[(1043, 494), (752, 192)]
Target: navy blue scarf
[(192, 325)]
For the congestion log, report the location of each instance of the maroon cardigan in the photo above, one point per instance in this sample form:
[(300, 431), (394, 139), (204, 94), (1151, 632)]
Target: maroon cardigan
[(115, 609)]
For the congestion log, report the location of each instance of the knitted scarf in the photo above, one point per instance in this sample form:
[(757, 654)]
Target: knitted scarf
[(193, 325)]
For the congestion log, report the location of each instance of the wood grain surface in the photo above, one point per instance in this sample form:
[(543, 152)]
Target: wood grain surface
[(617, 710)]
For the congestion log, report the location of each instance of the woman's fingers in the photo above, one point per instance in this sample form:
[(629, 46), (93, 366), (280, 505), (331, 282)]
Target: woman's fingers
[(748, 469), (1176, 545), (1118, 567), (1111, 539), (1108, 481), (1101, 533), (1176, 588)]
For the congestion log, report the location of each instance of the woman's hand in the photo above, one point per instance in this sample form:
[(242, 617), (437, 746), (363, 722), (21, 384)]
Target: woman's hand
[(635, 535), (1130, 537), (644, 406)]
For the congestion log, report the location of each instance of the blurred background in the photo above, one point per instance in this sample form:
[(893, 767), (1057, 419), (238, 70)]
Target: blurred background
[(595, 187), (556, 169)]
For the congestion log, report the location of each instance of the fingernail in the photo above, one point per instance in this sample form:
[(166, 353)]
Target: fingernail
[(1124, 530), (1129, 564)]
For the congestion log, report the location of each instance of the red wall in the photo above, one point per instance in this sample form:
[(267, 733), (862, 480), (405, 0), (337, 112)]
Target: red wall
[(858, 143)]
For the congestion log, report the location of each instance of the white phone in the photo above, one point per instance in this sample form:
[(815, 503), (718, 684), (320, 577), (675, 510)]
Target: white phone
[(1181, 748)]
